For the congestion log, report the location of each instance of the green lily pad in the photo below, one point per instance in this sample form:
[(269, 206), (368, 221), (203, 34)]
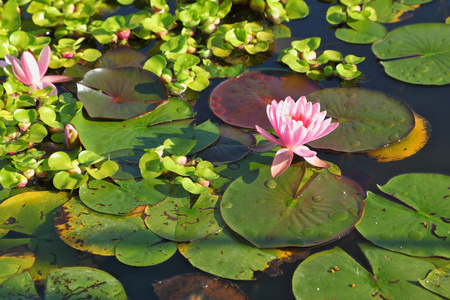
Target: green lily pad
[(197, 286), (205, 134), (395, 276), (295, 209), (391, 11), (144, 248), (234, 99), (421, 228), (361, 32), (128, 162), (93, 232), (368, 119), (176, 220), (121, 58), (144, 132), (122, 196), (226, 256), (15, 261), (121, 93), (232, 145), (82, 283), (106, 169), (19, 287), (438, 281), (27, 212), (417, 53)]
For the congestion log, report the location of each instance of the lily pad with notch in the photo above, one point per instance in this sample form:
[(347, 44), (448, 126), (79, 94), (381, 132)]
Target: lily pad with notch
[(168, 120), (416, 53), (368, 119), (123, 196), (121, 93), (300, 208), (333, 274), (176, 220), (421, 226), (232, 145), (242, 101)]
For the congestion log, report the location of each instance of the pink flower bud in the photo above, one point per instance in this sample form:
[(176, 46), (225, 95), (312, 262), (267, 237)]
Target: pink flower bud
[(123, 34), (71, 137), (23, 183), (203, 182), (181, 160), (68, 54), (28, 173)]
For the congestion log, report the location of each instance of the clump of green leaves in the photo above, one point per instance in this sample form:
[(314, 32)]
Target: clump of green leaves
[(302, 57)]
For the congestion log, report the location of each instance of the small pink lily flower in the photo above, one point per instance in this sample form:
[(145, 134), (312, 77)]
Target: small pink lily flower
[(31, 72), (296, 124)]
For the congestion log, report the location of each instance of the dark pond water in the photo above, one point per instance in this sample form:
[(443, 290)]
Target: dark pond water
[(432, 102)]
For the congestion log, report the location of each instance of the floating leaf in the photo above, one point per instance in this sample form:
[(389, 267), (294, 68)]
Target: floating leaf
[(144, 248), (19, 287), (421, 228), (232, 145), (67, 181), (146, 131), (389, 11), (15, 261), (82, 283), (362, 32), (106, 169), (418, 54), (122, 196), (121, 58), (234, 99), (128, 162), (205, 134), (333, 274), (197, 286), (438, 281), (410, 145), (26, 212), (225, 256), (176, 220), (93, 232), (285, 211), (121, 93), (367, 119)]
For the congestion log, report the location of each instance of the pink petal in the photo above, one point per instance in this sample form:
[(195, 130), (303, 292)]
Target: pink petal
[(317, 162), (281, 161), (19, 73), (44, 60), (304, 152), (9, 59), (267, 135), (330, 128), (30, 68), (56, 78)]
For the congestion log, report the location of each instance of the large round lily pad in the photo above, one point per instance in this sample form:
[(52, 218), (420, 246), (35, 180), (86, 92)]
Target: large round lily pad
[(176, 220), (83, 283), (93, 232), (124, 195), (144, 248), (417, 53), (333, 274), (144, 132), (19, 287), (294, 209), (242, 101), (226, 256), (122, 57), (121, 93), (421, 228), (367, 119)]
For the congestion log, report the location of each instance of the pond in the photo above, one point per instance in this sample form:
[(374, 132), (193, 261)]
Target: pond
[(78, 225)]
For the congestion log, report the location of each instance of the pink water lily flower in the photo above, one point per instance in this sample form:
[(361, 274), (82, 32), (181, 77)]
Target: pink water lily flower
[(295, 123), (31, 72)]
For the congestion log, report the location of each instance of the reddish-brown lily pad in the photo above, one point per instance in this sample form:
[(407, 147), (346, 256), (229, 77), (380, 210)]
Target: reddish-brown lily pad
[(242, 101), (121, 93)]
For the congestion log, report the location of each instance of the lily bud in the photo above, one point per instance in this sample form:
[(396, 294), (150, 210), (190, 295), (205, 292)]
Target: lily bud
[(71, 137), (123, 34), (203, 182)]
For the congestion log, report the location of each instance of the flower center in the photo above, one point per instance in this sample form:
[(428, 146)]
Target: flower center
[(301, 118)]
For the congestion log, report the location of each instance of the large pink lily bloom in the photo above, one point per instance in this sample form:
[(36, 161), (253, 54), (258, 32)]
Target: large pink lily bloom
[(31, 72), (296, 124)]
